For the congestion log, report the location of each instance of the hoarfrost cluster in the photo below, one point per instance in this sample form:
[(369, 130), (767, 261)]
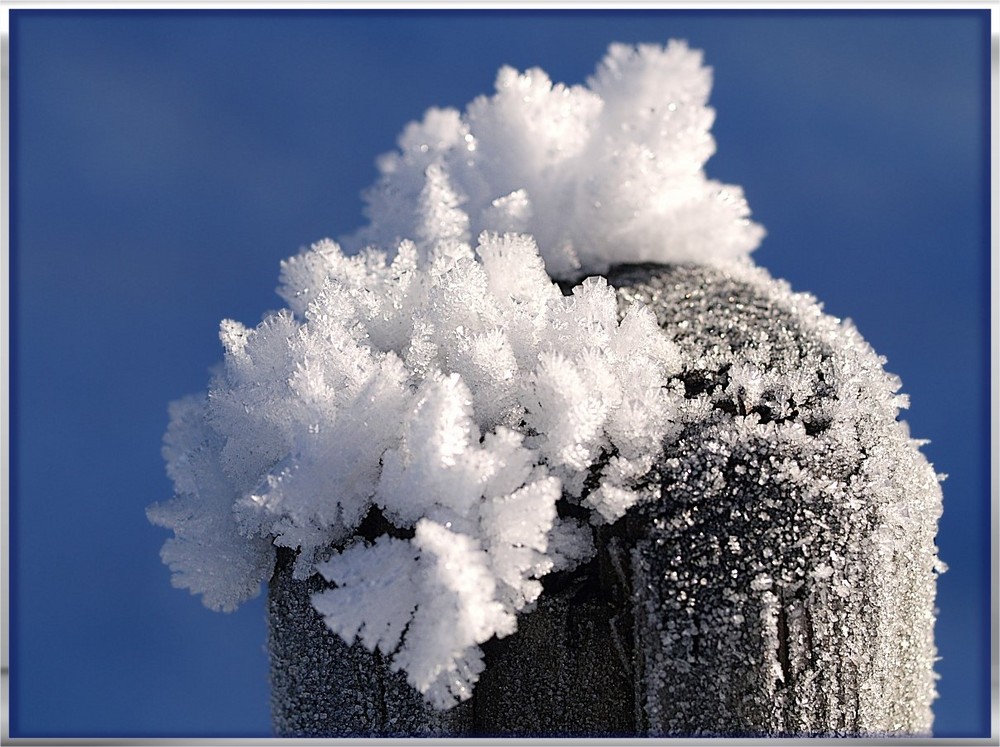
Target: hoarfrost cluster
[(461, 394), (414, 423), (598, 175)]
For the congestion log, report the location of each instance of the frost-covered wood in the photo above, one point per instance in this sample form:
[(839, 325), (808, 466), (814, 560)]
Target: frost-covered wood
[(781, 581), (791, 566)]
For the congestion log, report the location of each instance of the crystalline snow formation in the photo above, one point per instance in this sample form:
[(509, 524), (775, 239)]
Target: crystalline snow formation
[(602, 175), (462, 397), (447, 390)]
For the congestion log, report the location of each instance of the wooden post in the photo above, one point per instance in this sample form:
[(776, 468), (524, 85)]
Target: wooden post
[(782, 584)]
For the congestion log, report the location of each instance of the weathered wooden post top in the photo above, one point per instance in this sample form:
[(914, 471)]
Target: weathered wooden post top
[(543, 453)]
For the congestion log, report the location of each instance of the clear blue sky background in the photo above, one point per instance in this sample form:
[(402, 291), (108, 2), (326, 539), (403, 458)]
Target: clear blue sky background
[(164, 163)]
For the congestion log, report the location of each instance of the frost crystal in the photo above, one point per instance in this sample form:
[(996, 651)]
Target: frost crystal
[(457, 393), (599, 175)]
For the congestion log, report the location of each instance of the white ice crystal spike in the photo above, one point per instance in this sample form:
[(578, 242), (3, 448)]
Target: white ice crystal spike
[(487, 363), (515, 272), (746, 385), (528, 129), (335, 463), (255, 356), (339, 306), (599, 175), (639, 421), (516, 528), (594, 303), (400, 291), (506, 464), (456, 683), (376, 592), (600, 375), (458, 611), (519, 294), (185, 438), (441, 422), (393, 203), (658, 96), (640, 339), (261, 438), (643, 76), (304, 275), (440, 131), (565, 414), (444, 228), (619, 478), (508, 214), (207, 555), (611, 502), (437, 461), (427, 602), (422, 352), (459, 306)]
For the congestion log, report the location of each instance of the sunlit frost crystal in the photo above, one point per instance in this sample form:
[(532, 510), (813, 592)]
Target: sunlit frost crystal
[(675, 500), (601, 174), (459, 393)]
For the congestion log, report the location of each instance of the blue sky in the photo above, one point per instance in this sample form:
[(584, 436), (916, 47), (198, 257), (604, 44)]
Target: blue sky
[(164, 162)]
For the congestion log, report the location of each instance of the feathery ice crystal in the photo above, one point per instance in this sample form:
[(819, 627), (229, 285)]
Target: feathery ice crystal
[(452, 388), (461, 396), (598, 175)]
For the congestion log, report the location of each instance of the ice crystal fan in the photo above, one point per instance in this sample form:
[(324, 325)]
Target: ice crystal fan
[(539, 451)]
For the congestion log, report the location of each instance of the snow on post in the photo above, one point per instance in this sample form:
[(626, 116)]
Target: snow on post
[(672, 500)]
